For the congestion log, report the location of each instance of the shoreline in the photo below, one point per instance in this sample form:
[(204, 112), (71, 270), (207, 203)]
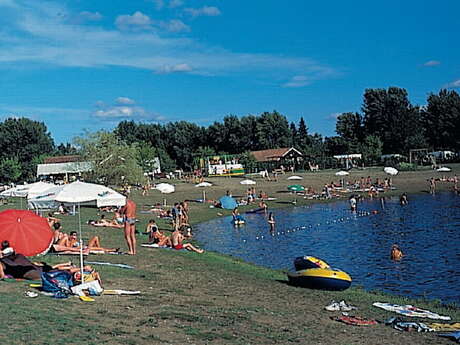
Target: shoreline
[(344, 201)]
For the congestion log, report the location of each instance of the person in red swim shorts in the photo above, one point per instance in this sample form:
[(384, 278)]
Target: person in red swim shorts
[(177, 242)]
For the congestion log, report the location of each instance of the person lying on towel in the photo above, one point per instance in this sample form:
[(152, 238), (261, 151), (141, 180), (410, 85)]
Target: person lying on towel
[(71, 243)]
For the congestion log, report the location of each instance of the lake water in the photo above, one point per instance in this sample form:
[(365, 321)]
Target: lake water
[(427, 230)]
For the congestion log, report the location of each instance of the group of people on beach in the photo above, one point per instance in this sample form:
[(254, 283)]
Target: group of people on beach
[(179, 217)]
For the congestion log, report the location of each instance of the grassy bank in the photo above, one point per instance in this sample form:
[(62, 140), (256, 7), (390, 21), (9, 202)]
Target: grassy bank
[(209, 298)]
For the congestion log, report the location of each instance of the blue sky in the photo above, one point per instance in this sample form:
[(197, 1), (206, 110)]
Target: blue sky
[(86, 65)]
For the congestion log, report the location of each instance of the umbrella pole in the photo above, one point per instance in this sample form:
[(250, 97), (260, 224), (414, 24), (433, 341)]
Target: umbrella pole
[(204, 196), (81, 243)]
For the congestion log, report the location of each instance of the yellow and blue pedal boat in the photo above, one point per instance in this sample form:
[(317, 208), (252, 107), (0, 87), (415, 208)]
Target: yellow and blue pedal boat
[(315, 273)]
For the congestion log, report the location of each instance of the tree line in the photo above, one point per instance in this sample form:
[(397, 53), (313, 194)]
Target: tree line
[(386, 123)]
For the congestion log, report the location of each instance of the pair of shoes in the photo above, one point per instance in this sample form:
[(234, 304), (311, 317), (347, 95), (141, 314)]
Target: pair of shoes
[(345, 307), (31, 294), (334, 306), (339, 306)]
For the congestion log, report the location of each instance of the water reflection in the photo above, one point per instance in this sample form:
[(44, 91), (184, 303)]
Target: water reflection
[(427, 230)]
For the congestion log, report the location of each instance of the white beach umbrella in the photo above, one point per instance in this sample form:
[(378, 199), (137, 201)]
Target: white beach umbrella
[(203, 184), (165, 188), (444, 169), (391, 171), (247, 182), (342, 173), (38, 188), (295, 177), (79, 192)]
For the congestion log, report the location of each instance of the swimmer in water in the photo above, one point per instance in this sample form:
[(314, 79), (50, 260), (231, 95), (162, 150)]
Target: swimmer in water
[(271, 222), (352, 202), (396, 253), (403, 199)]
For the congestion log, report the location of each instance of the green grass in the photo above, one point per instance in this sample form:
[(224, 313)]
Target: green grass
[(202, 299)]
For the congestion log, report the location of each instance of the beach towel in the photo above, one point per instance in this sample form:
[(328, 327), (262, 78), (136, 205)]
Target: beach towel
[(153, 245), (409, 310), (445, 327), (109, 264), (120, 292), (354, 320)]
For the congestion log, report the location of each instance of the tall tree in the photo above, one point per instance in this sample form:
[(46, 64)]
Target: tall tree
[(371, 149), (114, 161), (349, 126), (66, 149), (293, 130), (183, 139), (10, 169), (24, 139), (389, 115), (272, 131), (441, 119)]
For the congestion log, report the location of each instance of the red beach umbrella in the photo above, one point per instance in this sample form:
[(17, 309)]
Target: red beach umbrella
[(27, 233)]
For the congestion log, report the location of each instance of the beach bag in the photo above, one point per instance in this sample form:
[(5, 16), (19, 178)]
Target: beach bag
[(58, 283)]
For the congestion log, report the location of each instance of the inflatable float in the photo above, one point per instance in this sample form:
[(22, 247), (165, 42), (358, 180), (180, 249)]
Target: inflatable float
[(315, 273), (306, 262), (320, 278)]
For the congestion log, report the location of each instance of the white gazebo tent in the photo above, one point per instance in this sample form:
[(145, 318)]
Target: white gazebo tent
[(25, 190), (348, 158)]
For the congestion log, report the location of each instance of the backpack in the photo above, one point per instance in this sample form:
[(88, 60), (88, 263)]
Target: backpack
[(58, 283)]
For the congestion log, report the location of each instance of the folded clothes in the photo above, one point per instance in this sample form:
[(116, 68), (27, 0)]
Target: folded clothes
[(401, 325)]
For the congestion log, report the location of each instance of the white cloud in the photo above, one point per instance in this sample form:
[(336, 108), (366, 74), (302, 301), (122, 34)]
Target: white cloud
[(174, 25), (125, 100), (333, 116), (182, 67), (297, 81), (210, 11), (432, 63), (124, 108), (91, 16), (136, 21), (455, 84), (36, 35)]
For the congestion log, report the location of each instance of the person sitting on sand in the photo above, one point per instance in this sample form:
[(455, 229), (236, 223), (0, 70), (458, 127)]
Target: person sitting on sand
[(177, 242), (151, 227), (263, 195), (71, 243), (156, 236), (62, 209), (396, 253)]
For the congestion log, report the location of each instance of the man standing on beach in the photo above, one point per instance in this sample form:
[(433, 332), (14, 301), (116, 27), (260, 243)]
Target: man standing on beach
[(129, 215)]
